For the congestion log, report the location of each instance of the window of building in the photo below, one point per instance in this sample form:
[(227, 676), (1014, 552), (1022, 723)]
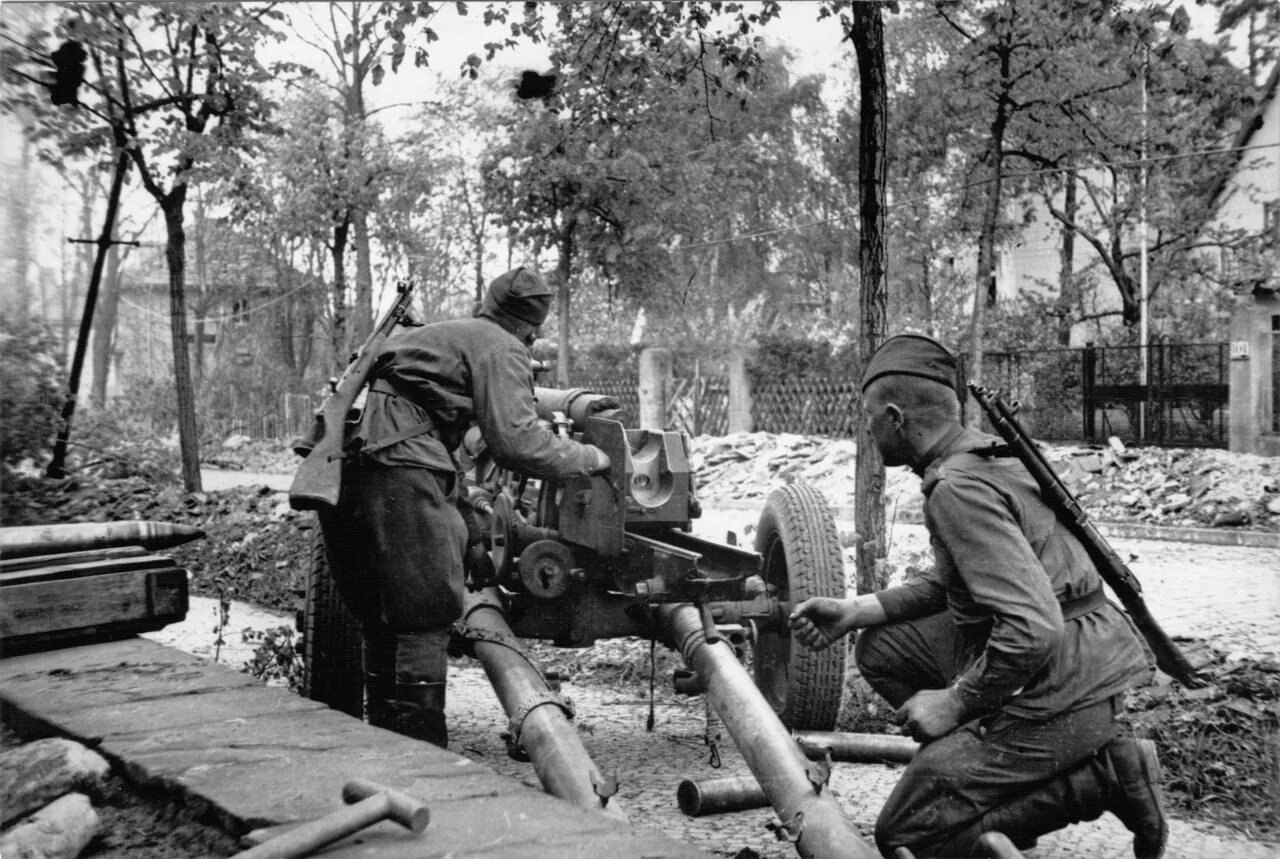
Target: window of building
[(1229, 263), (1271, 224)]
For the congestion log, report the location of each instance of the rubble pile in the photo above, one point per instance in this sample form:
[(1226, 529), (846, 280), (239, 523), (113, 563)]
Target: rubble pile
[(1219, 744), (255, 546), (1159, 486)]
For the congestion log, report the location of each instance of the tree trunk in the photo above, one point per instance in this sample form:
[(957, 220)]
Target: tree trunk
[(563, 270), (176, 254), (199, 305), (984, 294), (1068, 291), (20, 212), (338, 335), (363, 311), (926, 291), (868, 41)]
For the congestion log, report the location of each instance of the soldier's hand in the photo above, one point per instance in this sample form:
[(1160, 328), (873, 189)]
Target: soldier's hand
[(602, 463), (819, 622), (930, 714)]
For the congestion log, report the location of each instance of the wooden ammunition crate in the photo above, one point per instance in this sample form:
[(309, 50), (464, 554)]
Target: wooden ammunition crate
[(74, 597)]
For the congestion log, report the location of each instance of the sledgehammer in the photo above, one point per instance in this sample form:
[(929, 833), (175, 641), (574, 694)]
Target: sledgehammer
[(368, 803)]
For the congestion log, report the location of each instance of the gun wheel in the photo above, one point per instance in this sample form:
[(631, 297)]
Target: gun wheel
[(800, 550), (331, 672)]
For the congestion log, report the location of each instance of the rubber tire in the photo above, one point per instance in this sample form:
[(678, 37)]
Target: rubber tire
[(331, 665), (801, 557)]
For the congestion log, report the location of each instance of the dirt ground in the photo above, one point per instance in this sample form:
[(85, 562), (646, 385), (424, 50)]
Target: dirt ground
[(1227, 597), (609, 686)]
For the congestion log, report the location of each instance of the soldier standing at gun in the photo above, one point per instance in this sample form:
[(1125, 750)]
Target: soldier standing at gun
[(396, 539), (1006, 660)]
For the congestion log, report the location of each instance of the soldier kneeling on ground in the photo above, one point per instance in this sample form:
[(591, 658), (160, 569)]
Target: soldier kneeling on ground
[(1006, 660)]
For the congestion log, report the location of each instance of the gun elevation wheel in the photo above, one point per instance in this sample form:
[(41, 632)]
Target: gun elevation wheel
[(800, 550), (331, 671)]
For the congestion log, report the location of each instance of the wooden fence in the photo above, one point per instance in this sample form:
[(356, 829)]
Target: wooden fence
[(813, 406), (1065, 395)]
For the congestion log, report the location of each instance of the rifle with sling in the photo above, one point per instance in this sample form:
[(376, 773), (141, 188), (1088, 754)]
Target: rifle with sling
[(318, 480), (1114, 571)]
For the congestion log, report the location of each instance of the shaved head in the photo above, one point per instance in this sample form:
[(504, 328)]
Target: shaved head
[(925, 400), (907, 414)]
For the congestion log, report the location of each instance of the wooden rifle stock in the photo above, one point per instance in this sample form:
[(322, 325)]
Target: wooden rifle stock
[(1114, 571), (318, 480)]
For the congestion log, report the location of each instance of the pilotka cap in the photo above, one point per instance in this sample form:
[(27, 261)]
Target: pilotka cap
[(911, 355), (522, 293)]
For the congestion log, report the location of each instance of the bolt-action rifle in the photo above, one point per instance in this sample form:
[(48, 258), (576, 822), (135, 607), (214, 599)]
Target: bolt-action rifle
[(1114, 571), (318, 480)]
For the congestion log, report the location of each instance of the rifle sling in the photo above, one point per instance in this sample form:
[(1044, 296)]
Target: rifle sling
[(382, 386)]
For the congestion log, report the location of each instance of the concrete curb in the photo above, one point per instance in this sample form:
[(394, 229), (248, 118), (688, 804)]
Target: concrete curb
[(1117, 530)]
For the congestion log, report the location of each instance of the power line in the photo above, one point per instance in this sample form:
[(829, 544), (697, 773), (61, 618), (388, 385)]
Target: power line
[(224, 317), (1027, 174)]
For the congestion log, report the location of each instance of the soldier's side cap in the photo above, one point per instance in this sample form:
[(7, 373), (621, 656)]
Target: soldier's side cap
[(522, 293), (912, 355)]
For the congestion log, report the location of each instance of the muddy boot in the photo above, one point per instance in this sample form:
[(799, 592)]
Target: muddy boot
[(1070, 797), (1136, 797), (420, 712)]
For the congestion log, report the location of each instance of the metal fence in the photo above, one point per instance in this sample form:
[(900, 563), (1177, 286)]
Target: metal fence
[(285, 417), (1096, 392)]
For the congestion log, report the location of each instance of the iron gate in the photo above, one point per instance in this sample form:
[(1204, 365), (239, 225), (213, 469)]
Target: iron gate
[(1183, 404)]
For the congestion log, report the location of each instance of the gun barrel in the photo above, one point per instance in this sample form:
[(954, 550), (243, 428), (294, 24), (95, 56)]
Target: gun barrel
[(27, 540), (577, 404), (774, 758), (852, 748), (563, 766)]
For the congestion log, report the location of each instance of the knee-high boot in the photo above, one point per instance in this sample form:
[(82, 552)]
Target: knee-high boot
[(422, 667), (420, 712), (378, 662), (1123, 778)]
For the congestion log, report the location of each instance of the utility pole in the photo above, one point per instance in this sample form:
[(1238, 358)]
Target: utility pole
[(57, 465), (1143, 333)]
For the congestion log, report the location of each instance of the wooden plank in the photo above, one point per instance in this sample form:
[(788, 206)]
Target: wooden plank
[(93, 605), (62, 558), (77, 570)]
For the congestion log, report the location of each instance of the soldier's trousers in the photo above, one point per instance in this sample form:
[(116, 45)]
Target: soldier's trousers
[(1022, 777), (395, 545)]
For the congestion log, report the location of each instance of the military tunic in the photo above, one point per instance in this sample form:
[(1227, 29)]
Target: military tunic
[(1039, 689), (397, 538)]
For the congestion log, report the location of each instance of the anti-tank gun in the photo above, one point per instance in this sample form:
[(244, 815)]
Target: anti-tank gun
[(615, 555)]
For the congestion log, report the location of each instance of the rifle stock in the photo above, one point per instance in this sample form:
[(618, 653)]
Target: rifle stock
[(1114, 571), (318, 481)]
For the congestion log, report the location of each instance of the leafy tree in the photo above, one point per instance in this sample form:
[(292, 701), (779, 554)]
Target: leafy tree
[(176, 87), (1107, 176), (30, 365), (649, 165), (1261, 22)]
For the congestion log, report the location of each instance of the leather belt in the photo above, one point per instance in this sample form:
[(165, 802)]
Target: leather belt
[(425, 427), (1083, 604)]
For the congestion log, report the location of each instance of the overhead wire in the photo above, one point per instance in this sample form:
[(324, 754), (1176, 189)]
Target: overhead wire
[(222, 318)]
